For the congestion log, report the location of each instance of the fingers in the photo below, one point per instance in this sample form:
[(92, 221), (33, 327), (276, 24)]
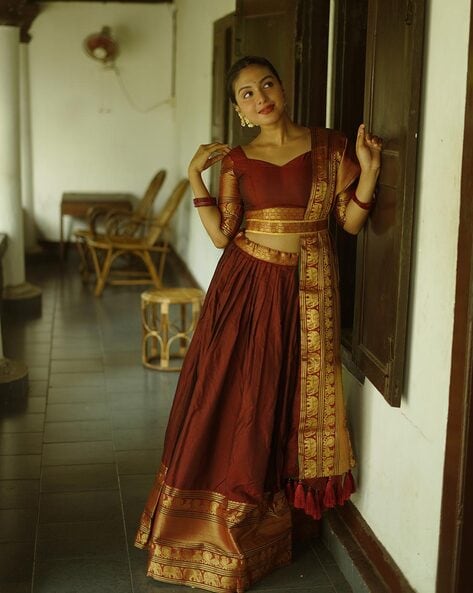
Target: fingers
[(214, 147), (371, 140), (207, 155), (213, 159)]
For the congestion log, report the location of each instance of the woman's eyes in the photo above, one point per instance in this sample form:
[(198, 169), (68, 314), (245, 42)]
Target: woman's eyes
[(266, 85)]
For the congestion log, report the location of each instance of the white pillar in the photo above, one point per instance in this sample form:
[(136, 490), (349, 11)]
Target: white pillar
[(29, 228), (11, 217)]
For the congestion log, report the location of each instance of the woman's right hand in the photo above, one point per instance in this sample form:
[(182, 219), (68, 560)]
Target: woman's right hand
[(206, 156)]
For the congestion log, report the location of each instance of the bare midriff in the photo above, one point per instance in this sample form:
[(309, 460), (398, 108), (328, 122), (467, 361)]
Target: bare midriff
[(288, 242)]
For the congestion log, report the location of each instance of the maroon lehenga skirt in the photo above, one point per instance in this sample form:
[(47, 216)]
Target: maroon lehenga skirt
[(217, 517)]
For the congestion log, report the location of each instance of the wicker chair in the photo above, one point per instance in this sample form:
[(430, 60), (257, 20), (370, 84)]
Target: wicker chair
[(115, 222), (149, 238)]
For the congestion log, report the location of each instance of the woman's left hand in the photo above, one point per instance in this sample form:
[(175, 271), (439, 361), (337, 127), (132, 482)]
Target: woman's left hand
[(368, 149)]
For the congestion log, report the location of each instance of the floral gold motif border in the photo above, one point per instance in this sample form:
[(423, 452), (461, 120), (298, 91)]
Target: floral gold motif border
[(202, 539), (323, 445)]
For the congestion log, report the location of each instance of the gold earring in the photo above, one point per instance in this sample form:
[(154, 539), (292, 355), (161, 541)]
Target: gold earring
[(248, 123), (242, 119)]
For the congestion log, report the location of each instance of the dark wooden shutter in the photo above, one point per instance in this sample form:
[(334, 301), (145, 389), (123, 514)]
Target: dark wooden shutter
[(311, 53), (267, 28), (223, 39), (392, 94)]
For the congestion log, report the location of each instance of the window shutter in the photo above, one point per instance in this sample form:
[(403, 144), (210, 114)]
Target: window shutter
[(392, 96), (222, 59)]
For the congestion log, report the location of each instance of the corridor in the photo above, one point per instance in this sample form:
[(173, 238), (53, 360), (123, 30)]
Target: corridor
[(78, 456)]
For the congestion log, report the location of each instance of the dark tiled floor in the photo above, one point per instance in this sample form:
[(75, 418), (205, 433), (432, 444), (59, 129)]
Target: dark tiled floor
[(77, 457)]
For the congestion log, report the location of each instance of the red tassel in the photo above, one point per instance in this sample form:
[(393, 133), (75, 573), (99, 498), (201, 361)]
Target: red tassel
[(309, 503), (329, 497), (290, 492), (348, 486), (299, 497)]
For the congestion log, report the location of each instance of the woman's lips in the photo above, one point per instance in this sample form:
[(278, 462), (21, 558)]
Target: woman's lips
[(266, 110)]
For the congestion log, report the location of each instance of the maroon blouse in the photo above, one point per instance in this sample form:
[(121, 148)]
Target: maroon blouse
[(254, 184)]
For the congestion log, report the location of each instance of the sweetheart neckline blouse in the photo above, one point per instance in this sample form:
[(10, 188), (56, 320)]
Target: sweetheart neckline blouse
[(259, 184), (274, 164)]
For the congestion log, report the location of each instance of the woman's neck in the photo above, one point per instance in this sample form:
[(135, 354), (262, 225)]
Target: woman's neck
[(279, 133)]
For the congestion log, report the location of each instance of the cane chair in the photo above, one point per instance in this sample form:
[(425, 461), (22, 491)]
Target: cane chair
[(148, 240), (114, 221)]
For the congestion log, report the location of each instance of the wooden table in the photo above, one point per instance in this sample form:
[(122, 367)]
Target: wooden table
[(78, 203)]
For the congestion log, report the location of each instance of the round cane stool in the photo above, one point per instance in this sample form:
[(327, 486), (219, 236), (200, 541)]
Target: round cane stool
[(163, 338)]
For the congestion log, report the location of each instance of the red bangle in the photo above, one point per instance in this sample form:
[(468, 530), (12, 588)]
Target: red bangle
[(207, 201), (363, 205)]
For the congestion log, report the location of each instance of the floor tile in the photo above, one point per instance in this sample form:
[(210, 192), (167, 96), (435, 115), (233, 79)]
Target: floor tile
[(36, 388), (74, 366), (69, 395), (80, 430), (16, 566), (122, 358), (18, 525), (76, 411), (14, 443), (76, 380), (127, 439), (78, 453), (22, 587), (101, 505), (19, 494), (126, 400), (22, 423), (139, 418), (98, 574), (305, 571), (68, 478), (38, 373), (19, 466), (24, 405), (75, 354), (87, 538), (138, 462)]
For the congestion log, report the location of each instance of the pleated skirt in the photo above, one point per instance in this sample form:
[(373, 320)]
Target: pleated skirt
[(217, 517)]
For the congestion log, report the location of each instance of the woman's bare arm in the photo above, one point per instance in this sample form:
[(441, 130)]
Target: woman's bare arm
[(206, 156), (368, 151)]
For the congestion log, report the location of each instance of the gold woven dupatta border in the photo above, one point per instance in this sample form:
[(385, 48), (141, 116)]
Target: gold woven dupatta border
[(321, 397)]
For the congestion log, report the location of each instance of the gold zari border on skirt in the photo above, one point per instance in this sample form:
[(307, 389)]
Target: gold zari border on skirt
[(203, 539)]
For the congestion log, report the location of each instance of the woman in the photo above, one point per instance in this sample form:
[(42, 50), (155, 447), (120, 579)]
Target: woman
[(258, 422)]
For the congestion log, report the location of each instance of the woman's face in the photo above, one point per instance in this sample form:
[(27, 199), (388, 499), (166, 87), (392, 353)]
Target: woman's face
[(259, 95)]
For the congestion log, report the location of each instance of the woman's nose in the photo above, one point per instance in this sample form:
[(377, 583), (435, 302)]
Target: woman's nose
[(260, 96)]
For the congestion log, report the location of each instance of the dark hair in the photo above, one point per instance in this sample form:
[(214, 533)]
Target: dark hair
[(238, 66)]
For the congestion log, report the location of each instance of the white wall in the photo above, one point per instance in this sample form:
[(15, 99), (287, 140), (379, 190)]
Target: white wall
[(86, 136), (193, 113), (401, 451)]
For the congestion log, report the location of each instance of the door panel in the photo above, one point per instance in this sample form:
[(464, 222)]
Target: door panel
[(392, 97)]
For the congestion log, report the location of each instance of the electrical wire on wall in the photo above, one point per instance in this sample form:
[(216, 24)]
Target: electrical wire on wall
[(130, 99)]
